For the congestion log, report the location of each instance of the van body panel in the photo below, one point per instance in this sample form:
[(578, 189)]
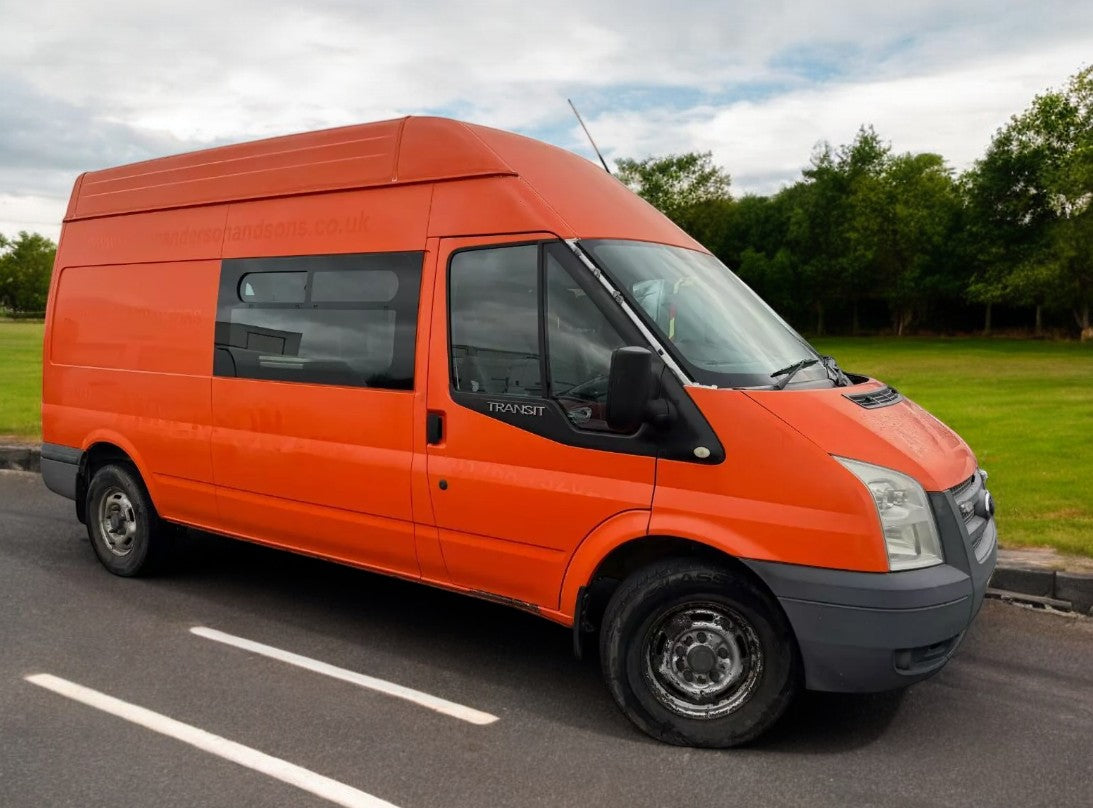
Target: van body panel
[(273, 449), (606, 537), (345, 157), (151, 318), (377, 220), (902, 436), (503, 204), (128, 360), (181, 235), (347, 536), (431, 147), (514, 505), (777, 496)]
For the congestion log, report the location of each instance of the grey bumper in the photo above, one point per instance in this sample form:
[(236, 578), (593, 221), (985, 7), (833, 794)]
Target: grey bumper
[(60, 467), (863, 632)]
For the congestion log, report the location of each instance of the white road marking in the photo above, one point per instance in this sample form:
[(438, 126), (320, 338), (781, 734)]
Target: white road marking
[(431, 702), (278, 769)]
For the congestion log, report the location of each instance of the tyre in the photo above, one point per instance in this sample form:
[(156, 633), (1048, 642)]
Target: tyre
[(126, 533), (697, 655)]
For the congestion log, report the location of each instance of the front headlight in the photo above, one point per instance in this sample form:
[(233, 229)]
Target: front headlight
[(910, 532)]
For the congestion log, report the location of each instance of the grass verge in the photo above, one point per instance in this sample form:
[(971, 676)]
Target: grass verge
[(21, 379)]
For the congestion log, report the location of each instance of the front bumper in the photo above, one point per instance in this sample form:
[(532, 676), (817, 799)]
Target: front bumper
[(863, 632)]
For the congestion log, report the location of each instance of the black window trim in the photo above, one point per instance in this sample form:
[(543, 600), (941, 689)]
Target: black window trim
[(691, 428), (307, 305), (599, 297)]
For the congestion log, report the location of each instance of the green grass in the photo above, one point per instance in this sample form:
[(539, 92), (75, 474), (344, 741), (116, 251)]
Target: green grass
[(1025, 408), (21, 379)]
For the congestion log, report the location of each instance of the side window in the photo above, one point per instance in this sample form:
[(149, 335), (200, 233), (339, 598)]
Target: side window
[(497, 316), (580, 341), (348, 320), (494, 320)]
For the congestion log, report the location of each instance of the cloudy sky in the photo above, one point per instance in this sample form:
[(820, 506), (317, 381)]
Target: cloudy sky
[(85, 85)]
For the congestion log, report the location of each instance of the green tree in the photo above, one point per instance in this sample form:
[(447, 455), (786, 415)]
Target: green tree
[(676, 184), (906, 219), (25, 267), (1032, 194), (826, 229)]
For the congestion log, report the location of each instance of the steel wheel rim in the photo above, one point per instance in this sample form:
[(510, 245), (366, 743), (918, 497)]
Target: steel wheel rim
[(702, 659), (117, 522)]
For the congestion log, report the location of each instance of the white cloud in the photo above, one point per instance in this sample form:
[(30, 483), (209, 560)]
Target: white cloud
[(765, 144), (35, 214)]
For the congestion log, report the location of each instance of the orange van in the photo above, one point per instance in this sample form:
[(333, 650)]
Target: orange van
[(467, 358)]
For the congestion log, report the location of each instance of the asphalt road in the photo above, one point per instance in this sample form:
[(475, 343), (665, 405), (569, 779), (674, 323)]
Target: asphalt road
[(1008, 722)]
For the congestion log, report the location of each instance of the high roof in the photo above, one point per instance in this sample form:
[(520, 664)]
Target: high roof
[(399, 151), (575, 192)]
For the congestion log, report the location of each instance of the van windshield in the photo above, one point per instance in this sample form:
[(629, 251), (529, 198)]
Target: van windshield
[(718, 329)]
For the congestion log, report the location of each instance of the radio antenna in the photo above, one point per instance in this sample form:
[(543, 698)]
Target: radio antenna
[(588, 134)]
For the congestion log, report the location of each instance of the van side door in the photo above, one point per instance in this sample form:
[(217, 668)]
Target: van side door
[(520, 463), (313, 402)]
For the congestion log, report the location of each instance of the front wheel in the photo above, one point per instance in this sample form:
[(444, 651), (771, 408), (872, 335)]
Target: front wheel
[(697, 655)]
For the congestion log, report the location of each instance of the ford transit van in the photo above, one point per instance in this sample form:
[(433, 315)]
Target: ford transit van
[(467, 358)]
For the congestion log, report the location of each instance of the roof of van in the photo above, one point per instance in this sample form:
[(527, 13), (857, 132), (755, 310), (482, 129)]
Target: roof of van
[(401, 151)]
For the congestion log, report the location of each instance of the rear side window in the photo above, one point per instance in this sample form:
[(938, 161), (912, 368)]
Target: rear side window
[(347, 320)]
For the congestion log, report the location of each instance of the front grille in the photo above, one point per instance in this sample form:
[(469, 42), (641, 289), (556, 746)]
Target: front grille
[(877, 398), (966, 495), (960, 488)]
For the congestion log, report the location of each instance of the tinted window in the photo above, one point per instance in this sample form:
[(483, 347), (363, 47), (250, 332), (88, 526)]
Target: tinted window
[(494, 310), (354, 286), (346, 320), (580, 342), (273, 287)]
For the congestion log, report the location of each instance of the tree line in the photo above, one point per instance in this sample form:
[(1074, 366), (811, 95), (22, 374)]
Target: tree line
[(25, 265), (868, 240)]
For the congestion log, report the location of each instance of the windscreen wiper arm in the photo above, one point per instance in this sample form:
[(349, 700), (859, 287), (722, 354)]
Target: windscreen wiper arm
[(790, 371), (834, 372)]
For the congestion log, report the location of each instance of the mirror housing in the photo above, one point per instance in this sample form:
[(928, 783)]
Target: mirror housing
[(631, 387)]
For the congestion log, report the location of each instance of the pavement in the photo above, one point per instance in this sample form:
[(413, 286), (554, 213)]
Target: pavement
[(1008, 722), (1037, 576)]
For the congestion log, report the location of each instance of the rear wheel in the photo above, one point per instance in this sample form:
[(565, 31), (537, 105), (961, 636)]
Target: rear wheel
[(126, 533), (697, 655)]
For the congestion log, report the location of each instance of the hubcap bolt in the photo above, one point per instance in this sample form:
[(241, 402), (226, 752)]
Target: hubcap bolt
[(702, 636), (723, 652)]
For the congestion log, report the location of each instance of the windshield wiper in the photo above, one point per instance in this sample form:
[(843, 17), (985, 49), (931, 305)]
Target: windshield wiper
[(834, 372), (790, 371)]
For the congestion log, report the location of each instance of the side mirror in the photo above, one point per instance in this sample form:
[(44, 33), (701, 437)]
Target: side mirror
[(630, 388)]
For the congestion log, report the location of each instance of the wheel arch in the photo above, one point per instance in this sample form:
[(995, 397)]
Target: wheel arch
[(609, 556), (100, 451)]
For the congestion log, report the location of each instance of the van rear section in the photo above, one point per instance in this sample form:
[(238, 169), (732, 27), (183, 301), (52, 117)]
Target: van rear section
[(462, 357)]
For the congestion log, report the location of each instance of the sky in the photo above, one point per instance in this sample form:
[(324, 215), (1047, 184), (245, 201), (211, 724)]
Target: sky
[(87, 85)]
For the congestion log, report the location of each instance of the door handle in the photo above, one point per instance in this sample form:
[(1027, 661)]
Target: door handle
[(434, 428)]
